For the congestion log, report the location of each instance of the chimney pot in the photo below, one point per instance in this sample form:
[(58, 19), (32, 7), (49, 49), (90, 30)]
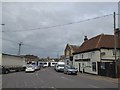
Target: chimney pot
[(85, 39)]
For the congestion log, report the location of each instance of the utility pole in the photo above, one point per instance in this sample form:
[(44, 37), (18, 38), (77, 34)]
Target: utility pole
[(20, 44), (115, 50), (115, 33)]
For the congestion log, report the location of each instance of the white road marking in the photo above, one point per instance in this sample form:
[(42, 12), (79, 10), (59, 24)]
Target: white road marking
[(36, 74), (93, 86), (65, 78), (54, 88)]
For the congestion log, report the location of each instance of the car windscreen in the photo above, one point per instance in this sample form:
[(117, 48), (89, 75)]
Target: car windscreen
[(71, 67), (30, 67), (61, 65)]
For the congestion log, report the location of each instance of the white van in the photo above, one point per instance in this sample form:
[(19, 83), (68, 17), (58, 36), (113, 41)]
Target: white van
[(60, 66), (45, 64), (52, 64)]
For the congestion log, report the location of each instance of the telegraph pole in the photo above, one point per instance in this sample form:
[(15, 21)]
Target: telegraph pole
[(115, 33), (20, 44), (115, 37)]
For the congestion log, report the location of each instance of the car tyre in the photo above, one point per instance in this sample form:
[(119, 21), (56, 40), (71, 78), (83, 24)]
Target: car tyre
[(6, 71)]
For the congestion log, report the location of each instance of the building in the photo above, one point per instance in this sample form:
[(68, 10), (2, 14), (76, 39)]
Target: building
[(97, 55), (68, 53)]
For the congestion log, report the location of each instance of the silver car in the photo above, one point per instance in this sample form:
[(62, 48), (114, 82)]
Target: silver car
[(68, 69)]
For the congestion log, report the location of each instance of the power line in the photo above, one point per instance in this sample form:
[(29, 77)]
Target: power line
[(26, 44), (70, 23)]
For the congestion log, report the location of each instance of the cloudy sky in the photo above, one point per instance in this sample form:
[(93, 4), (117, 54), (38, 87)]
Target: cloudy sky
[(28, 22)]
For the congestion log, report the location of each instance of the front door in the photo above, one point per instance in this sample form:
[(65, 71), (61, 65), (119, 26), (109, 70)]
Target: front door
[(79, 67)]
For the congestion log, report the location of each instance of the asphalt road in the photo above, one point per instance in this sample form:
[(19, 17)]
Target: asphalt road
[(49, 78)]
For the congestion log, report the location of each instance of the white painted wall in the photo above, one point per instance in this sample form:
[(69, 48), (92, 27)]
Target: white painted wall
[(94, 56), (109, 54)]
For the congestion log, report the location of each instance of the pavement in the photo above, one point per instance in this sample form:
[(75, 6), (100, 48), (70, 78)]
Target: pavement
[(96, 77)]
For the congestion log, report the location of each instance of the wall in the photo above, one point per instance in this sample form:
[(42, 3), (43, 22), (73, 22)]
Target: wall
[(94, 56), (109, 54)]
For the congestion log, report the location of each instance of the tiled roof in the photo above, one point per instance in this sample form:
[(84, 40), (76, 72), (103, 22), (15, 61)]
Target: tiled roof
[(74, 47), (97, 42)]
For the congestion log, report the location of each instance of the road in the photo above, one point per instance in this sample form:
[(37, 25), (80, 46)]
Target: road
[(49, 78)]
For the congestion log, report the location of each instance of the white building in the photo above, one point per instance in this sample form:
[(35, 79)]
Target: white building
[(97, 55)]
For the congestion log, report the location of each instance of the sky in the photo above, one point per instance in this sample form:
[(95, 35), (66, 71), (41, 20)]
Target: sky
[(26, 22)]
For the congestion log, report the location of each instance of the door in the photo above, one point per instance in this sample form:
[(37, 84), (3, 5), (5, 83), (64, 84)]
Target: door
[(106, 69), (79, 67)]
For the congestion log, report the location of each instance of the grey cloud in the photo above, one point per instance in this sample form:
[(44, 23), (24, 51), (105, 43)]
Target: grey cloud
[(50, 42)]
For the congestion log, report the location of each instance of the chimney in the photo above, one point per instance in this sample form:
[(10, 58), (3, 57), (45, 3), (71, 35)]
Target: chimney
[(85, 39)]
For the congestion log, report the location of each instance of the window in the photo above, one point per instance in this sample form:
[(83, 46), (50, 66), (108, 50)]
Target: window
[(102, 65), (76, 56), (94, 66), (113, 52)]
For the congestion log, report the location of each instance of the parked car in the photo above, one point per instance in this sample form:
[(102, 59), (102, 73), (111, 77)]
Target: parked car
[(69, 69), (30, 68), (36, 67), (59, 66), (53, 64), (4, 70), (40, 64)]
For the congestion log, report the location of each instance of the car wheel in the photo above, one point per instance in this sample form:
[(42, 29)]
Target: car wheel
[(6, 71), (67, 73)]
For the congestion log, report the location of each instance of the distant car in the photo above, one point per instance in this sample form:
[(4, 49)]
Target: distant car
[(30, 68), (36, 67), (41, 64), (69, 69), (59, 66), (45, 64), (53, 64)]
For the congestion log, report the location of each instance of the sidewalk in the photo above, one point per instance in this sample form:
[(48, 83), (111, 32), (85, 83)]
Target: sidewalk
[(96, 77)]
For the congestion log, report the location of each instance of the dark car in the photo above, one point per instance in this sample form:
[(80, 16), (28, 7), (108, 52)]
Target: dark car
[(69, 69), (3, 70)]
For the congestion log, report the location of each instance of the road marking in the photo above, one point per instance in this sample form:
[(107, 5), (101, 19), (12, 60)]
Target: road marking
[(36, 74), (65, 78), (93, 86), (54, 88)]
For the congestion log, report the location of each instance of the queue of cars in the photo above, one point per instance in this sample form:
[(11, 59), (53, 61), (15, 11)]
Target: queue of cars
[(67, 69)]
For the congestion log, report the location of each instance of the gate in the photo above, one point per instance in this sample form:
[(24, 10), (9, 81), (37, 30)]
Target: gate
[(106, 69), (118, 68)]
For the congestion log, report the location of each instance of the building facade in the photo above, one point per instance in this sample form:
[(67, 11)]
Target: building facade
[(68, 53), (97, 56)]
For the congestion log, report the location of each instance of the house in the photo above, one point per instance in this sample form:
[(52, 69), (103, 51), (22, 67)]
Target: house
[(68, 53), (97, 55)]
